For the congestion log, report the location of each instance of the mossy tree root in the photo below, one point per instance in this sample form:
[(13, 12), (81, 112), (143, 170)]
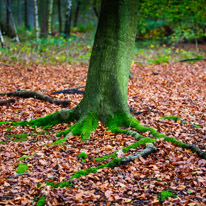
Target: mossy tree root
[(62, 116), (83, 128), (150, 148), (123, 120)]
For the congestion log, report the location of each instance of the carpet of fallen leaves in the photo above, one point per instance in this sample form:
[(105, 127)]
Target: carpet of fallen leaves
[(159, 90)]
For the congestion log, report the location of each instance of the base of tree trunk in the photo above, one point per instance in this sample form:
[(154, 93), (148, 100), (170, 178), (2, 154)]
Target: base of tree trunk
[(87, 123)]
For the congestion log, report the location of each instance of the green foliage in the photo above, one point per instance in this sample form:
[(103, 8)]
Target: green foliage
[(162, 196), (22, 167), (53, 50), (171, 20)]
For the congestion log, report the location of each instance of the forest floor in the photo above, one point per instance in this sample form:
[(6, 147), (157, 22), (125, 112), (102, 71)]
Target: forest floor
[(177, 89)]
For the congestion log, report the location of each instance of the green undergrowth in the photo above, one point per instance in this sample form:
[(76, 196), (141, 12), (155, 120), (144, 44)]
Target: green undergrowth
[(175, 118), (22, 167), (162, 196)]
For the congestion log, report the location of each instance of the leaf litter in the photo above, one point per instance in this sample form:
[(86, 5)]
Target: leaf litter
[(177, 90)]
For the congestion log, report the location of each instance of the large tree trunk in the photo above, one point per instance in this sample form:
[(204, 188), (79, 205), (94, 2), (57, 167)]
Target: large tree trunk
[(107, 82), (68, 18)]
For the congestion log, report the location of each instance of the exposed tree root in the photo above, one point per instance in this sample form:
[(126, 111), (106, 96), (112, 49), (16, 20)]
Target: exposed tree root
[(62, 116), (150, 148), (87, 123), (123, 120), (9, 101), (36, 95)]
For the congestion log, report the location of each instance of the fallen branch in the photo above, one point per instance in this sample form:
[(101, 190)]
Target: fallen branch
[(150, 148), (192, 59), (36, 95), (9, 101), (138, 113)]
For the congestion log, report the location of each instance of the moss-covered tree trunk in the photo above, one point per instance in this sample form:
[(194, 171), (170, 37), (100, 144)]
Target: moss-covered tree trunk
[(107, 82)]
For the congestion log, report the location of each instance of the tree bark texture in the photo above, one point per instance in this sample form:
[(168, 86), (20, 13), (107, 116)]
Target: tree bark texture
[(107, 81), (68, 18)]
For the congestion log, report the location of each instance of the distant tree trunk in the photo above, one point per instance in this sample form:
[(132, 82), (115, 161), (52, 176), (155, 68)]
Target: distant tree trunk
[(68, 18), (1, 10), (50, 17), (7, 17), (60, 16), (77, 13), (30, 14), (95, 8), (36, 19), (2, 40), (44, 18), (19, 12), (26, 14)]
